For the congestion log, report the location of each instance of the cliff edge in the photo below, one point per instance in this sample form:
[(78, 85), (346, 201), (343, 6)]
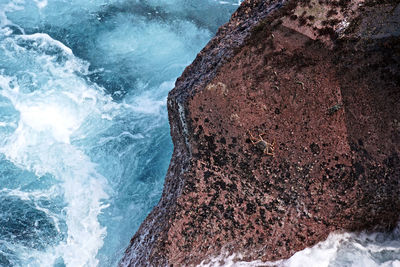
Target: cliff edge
[(286, 127)]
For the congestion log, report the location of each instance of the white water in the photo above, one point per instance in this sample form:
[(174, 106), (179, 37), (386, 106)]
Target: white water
[(339, 249), (41, 142)]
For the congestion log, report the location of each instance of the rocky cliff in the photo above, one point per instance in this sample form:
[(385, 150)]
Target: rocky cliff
[(286, 127)]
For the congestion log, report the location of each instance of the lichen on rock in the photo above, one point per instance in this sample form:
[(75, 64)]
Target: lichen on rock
[(316, 78)]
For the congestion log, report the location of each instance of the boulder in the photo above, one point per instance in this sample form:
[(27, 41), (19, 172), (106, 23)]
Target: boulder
[(286, 127)]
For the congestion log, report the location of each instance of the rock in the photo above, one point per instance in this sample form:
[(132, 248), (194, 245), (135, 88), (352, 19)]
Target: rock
[(321, 79)]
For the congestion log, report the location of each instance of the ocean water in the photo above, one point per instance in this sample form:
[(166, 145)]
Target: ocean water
[(84, 135), (338, 250)]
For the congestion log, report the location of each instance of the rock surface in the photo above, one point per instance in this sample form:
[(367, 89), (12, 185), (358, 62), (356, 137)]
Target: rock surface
[(321, 81)]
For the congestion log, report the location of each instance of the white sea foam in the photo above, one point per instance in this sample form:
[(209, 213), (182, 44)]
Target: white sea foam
[(54, 121), (6, 124), (48, 119), (149, 103), (9, 7), (339, 249), (41, 4), (43, 43)]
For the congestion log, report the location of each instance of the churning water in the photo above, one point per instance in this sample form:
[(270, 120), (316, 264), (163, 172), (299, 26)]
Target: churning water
[(339, 250), (84, 135)]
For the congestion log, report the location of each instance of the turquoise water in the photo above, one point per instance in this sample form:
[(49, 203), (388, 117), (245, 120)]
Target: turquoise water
[(84, 135)]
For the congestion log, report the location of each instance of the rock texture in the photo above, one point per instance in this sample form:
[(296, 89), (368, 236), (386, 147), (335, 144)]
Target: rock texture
[(321, 80)]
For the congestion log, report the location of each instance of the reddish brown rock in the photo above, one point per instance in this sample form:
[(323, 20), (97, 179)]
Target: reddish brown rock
[(321, 79)]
